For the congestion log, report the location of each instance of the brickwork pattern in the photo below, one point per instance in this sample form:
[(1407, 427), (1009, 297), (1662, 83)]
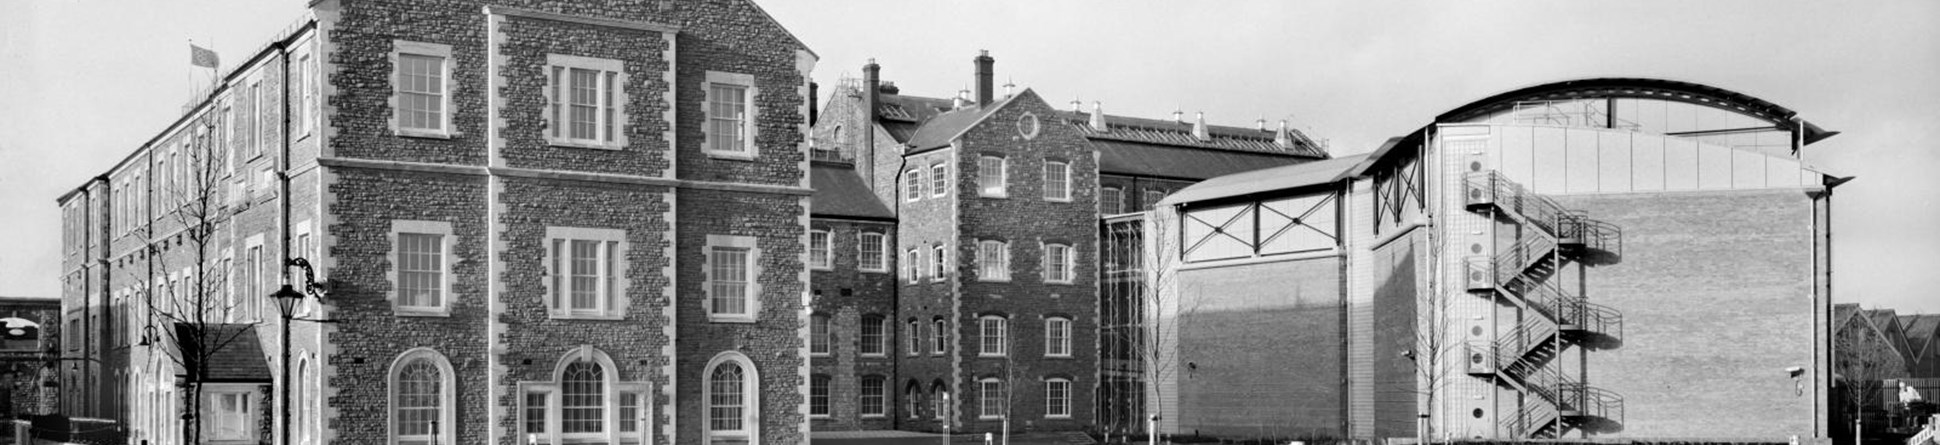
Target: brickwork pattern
[(846, 295)]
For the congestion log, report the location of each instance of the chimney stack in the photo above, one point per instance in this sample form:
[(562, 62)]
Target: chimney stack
[(871, 83), (1097, 116), (1178, 117), (984, 74), (1282, 138), (1077, 106), (1199, 127), (814, 97)]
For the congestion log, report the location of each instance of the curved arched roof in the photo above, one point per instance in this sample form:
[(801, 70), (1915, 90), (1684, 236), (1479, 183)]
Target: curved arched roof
[(1618, 87)]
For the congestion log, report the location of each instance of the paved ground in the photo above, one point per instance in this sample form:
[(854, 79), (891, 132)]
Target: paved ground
[(906, 437)]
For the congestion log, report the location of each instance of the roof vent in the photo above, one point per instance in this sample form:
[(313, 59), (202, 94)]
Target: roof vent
[(1282, 138), (889, 88), (1178, 117), (1261, 124), (1098, 116), (1199, 127), (962, 100)]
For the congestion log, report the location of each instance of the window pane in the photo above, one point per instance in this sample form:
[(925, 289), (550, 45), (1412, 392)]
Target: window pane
[(872, 335), (818, 249), (583, 100), (582, 398), (419, 399), (939, 180), (990, 175), (420, 270), (993, 402), (1057, 181), (727, 118), (724, 402), (871, 252), (535, 412), (872, 396), (1057, 397), (818, 336), (729, 280), (420, 92), (585, 275), (629, 412), (1111, 201), (818, 395)]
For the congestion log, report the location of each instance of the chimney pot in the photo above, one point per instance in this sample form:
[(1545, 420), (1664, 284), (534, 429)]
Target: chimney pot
[(1098, 116), (1199, 127), (1077, 106), (1178, 117), (1261, 123), (984, 64)]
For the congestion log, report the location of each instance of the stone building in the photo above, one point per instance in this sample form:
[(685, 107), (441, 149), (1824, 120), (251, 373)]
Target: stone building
[(979, 288), (1612, 258), (526, 222)]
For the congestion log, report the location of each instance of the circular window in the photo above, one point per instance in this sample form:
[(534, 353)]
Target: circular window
[(1475, 166), (1477, 413), (1027, 125), (1475, 358), (1475, 248), (1476, 331)]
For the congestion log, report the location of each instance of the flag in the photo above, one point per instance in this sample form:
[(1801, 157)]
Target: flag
[(202, 57)]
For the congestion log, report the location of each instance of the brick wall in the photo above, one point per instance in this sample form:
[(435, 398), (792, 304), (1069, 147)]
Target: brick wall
[(1260, 356), (846, 294), (1716, 290)]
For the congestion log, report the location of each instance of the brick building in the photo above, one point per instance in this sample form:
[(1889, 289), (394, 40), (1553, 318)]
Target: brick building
[(1611, 258), (959, 275), (31, 365), (531, 221)]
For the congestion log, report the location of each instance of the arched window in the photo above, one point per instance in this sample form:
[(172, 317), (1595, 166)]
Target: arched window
[(421, 399), (732, 395), (584, 402), (582, 399), (941, 396), (911, 399)]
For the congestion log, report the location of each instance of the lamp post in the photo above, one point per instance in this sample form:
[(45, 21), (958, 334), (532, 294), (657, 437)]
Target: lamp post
[(286, 300)]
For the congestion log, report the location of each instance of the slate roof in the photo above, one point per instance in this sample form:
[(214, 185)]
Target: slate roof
[(839, 192), (1920, 329), (239, 355), (1270, 179), (1155, 131), (939, 130), (1141, 159)]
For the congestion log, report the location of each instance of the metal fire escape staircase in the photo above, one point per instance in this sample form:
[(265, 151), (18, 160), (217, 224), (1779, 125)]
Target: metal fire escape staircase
[(1553, 320)]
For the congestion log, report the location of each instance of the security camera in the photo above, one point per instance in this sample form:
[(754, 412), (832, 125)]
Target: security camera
[(1794, 371)]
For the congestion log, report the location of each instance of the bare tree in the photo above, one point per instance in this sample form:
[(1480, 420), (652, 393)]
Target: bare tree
[(191, 312), (1864, 361), (1434, 344), (1141, 262)]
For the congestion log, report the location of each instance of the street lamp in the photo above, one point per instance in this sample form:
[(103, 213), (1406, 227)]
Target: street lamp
[(286, 300)]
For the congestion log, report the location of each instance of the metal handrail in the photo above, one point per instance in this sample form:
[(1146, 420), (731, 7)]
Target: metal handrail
[(1545, 213), (1511, 261), (1533, 414)]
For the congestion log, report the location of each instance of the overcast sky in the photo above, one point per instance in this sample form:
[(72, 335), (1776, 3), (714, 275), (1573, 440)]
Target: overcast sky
[(84, 83)]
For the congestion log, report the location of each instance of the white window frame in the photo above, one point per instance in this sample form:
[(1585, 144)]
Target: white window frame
[(1152, 197), (750, 431), (244, 308), (993, 184), (821, 336), (915, 337), (820, 256), (303, 246), (1065, 267), (913, 185), (1111, 200), (940, 265), (448, 410), (942, 338), (749, 130), (300, 113), (444, 232), (985, 397), (609, 132), (400, 48), (254, 137), (881, 342), (881, 408), (551, 393), (940, 179), (1063, 184), (611, 279), (993, 330), (1049, 412), (993, 261), (1057, 337), (881, 264), (913, 261), (752, 265), (821, 381), (214, 417)]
